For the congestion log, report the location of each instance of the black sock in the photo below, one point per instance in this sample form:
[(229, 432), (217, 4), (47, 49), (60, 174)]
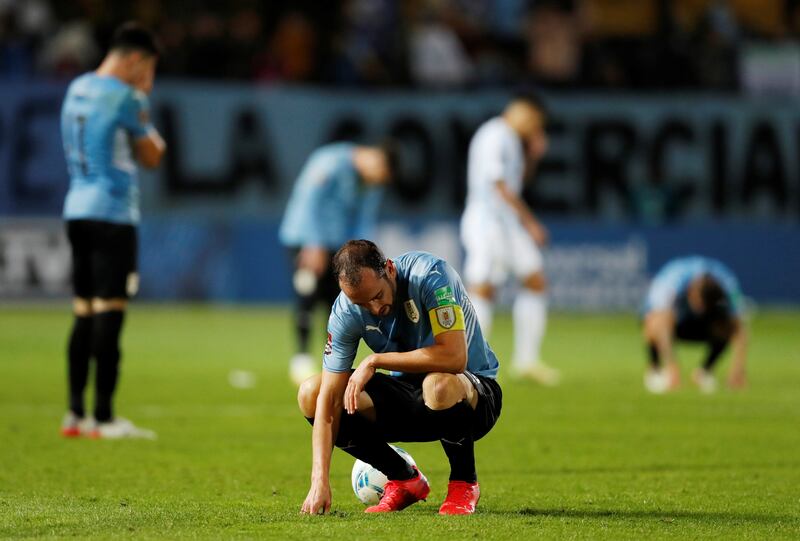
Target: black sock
[(79, 351), (303, 316), (359, 438), (462, 459), (457, 440), (652, 351), (105, 346), (715, 350)]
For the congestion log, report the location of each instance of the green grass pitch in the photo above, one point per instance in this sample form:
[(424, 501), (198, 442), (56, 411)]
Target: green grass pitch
[(594, 458)]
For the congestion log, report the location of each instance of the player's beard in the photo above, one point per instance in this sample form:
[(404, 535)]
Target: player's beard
[(393, 289)]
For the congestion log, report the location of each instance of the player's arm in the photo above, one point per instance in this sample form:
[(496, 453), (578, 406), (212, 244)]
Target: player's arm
[(524, 213), (311, 196), (659, 327), (447, 354), (149, 149), (368, 213), (737, 377), (326, 426), (148, 146)]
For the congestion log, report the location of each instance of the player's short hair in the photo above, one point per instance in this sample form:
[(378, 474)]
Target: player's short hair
[(715, 300), (355, 255), (132, 36), (530, 97)]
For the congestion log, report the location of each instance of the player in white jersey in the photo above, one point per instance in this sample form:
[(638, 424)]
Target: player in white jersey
[(500, 233)]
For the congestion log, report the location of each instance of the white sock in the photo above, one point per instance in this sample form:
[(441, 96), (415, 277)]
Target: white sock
[(530, 319), (484, 309)]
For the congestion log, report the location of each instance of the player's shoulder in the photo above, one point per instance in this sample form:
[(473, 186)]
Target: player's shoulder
[(419, 267), (417, 261), (495, 129), (344, 311), (333, 151), (108, 92)]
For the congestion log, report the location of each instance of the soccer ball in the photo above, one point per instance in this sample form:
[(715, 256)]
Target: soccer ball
[(368, 482)]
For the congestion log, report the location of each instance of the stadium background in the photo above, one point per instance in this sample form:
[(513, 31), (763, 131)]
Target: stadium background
[(674, 130), (653, 154)]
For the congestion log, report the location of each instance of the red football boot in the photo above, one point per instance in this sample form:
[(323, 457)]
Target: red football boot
[(462, 497), (397, 495)]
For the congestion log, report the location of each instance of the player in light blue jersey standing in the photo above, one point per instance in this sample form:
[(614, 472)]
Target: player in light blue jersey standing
[(694, 299), (414, 314), (106, 130), (336, 197)]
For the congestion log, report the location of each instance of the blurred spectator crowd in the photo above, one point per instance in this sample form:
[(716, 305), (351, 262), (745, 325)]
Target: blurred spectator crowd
[(627, 44)]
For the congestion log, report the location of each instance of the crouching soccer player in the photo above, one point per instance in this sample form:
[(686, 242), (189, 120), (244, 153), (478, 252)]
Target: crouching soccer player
[(694, 299), (414, 313)]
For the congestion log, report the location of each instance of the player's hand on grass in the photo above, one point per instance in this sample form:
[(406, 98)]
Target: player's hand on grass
[(358, 380), (318, 501), (737, 379)]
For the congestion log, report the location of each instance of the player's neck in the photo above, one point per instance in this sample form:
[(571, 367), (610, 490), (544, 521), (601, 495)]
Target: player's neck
[(512, 123), (112, 66)]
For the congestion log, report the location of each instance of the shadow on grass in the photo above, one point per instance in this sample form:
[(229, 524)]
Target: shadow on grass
[(657, 468), (657, 514)]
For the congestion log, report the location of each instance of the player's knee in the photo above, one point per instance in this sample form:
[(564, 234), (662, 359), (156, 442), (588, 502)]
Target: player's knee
[(440, 391), (81, 307), (307, 395), (650, 329), (536, 282), (107, 305)]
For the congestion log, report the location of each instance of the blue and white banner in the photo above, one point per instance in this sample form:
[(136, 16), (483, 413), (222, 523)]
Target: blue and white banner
[(235, 150), (589, 266)]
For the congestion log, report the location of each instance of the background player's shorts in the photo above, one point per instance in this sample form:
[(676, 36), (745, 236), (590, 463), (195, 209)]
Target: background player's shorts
[(103, 259), (401, 414), (494, 250)]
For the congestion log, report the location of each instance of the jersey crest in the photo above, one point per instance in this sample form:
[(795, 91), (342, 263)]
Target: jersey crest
[(411, 310)]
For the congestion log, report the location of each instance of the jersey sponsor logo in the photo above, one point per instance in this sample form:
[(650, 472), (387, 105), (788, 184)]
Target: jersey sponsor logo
[(446, 317), (373, 328), (329, 345), (411, 310), (445, 296)]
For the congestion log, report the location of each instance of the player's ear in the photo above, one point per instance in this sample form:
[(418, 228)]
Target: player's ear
[(391, 270)]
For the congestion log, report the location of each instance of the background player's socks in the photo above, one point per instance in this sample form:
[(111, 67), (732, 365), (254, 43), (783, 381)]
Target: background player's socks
[(655, 361), (78, 354), (358, 437), (303, 316), (715, 349), (484, 309), (530, 318), (105, 346)]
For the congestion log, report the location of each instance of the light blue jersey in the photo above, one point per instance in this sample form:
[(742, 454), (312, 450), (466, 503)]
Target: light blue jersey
[(669, 286), (100, 118), (430, 299), (329, 204)]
